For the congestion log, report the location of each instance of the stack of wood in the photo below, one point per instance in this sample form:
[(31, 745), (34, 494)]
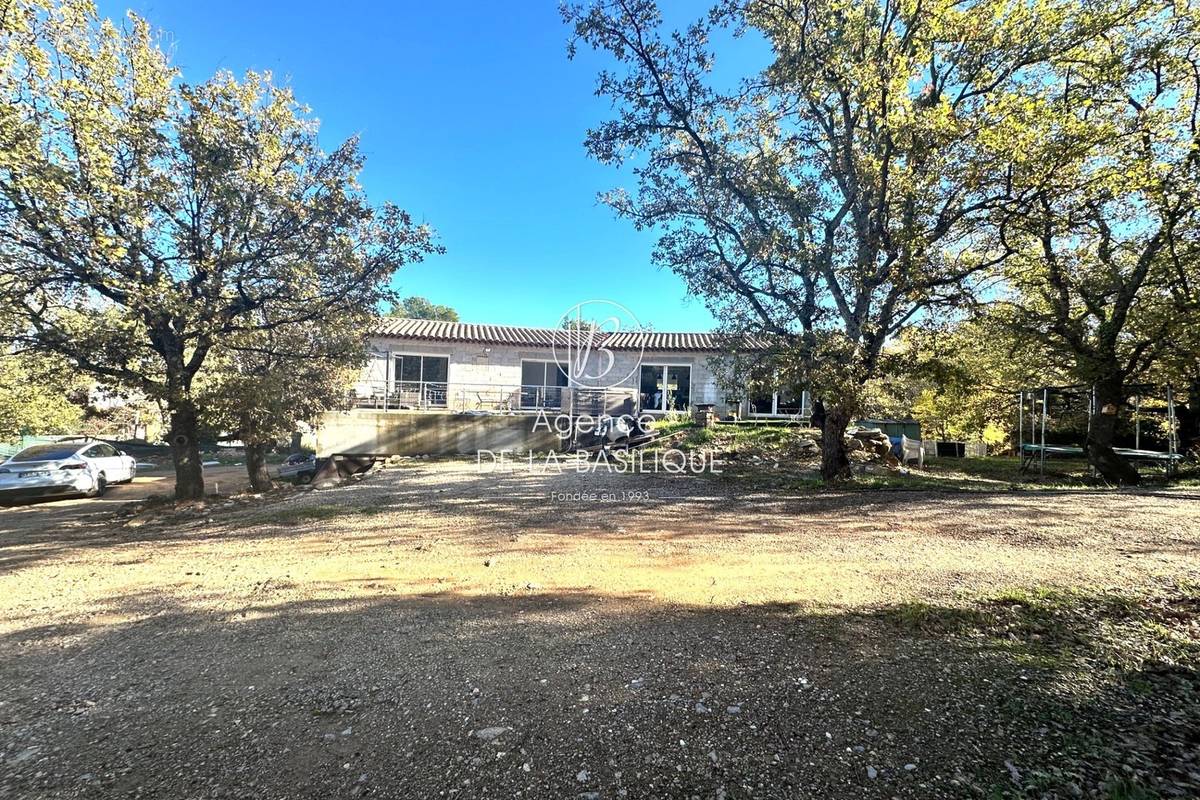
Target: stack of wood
[(704, 415)]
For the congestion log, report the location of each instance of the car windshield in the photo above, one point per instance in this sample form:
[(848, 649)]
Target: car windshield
[(47, 452)]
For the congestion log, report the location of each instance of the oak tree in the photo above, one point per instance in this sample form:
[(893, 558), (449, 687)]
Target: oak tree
[(261, 386), (415, 307), (1103, 223), (840, 193), (144, 221)]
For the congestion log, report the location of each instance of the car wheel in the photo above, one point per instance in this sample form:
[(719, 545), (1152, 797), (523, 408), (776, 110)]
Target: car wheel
[(101, 485)]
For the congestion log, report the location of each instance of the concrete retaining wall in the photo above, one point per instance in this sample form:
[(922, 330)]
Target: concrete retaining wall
[(430, 433)]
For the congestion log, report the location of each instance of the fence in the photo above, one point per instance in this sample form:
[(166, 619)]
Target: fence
[(955, 449), (399, 395), (486, 397), (10, 450)]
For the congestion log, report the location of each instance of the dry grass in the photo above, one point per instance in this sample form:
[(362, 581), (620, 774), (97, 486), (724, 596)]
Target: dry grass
[(687, 541), (956, 624)]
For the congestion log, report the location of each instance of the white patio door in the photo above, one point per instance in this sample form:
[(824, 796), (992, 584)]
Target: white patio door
[(665, 387)]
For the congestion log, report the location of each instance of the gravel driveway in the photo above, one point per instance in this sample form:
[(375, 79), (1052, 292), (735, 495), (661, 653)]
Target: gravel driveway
[(432, 631)]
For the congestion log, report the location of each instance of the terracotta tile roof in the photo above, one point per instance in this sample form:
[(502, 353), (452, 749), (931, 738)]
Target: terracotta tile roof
[(437, 330), (655, 340)]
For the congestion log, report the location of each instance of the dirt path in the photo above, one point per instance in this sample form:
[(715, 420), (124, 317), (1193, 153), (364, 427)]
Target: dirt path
[(433, 630), (44, 514)]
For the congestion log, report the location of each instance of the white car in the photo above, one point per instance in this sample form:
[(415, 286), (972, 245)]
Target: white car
[(298, 468), (72, 466)]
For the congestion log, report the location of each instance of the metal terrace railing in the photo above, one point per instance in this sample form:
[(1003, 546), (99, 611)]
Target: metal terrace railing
[(535, 397), (492, 397), (487, 397), (398, 395)]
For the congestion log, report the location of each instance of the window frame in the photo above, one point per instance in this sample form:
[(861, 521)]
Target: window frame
[(545, 364), (395, 382), (394, 375), (775, 400), (544, 385), (665, 366)]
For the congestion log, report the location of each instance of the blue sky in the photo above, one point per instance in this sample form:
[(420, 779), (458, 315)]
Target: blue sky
[(472, 118)]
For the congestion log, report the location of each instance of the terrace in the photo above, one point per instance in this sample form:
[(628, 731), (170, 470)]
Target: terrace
[(443, 396)]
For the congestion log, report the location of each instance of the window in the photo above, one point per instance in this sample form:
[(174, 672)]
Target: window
[(542, 383), (783, 403), (420, 380), (665, 388), (435, 369), (789, 402), (408, 369), (762, 404), (47, 452)]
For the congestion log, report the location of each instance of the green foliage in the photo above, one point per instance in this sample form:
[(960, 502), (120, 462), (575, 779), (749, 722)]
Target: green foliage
[(960, 379), (34, 398), (121, 415), (262, 386), (419, 308), (848, 189), (1101, 228), (144, 222), (146, 219), (568, 323)]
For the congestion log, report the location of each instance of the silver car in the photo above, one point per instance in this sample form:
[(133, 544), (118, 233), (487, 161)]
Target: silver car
[(298, 468), (82, 467)]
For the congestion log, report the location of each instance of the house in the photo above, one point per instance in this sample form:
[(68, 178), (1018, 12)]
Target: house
[(432, 365), (429, 384)]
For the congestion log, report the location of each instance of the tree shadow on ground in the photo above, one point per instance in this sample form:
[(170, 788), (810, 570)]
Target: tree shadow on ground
[(487, 507), (572, 693)]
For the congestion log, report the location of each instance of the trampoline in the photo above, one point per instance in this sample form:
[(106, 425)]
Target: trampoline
[(1031, 451), (1039, 450)]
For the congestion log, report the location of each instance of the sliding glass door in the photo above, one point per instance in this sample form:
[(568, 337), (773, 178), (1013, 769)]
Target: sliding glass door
[(679, 388), (420, 381), (664, 387), (542, 383), (783, 403)]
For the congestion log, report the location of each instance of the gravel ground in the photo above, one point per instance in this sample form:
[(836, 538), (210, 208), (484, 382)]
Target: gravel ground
[(432, 631)]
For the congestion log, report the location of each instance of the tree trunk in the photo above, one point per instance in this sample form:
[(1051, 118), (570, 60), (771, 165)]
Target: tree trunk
[(185, 451), (1188, 415), (256, 466), (818, 415), (1110, 396), (835, 466)]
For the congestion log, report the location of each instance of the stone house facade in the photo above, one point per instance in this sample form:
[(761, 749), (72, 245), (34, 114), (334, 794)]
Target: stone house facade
[(433, 365)]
